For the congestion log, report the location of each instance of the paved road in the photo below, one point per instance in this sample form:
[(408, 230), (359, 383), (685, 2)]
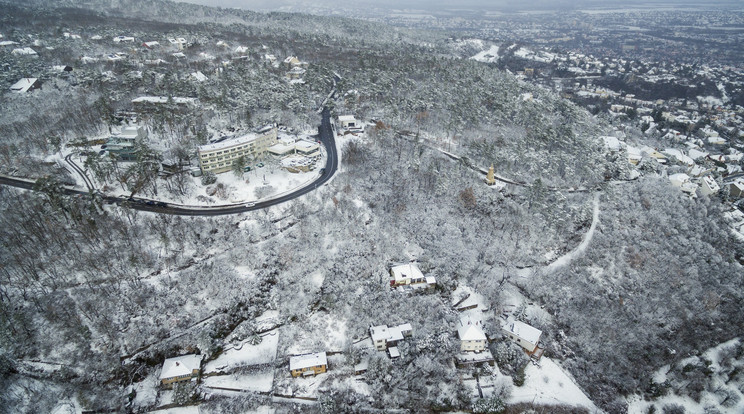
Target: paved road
[(80, 172), (326, 136)]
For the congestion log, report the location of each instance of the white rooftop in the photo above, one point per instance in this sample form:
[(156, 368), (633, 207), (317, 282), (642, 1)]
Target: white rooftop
[(524, 331), (468, 330), (711, 183), (23, 85), (394, 333), (303, 145), (394, 353), (23, 51), (406, 271), (612, 143), (346, 118), (229, 143), (307, 361), (178, 366), (163, 99)]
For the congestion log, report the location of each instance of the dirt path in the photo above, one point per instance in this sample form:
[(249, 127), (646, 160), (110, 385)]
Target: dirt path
[(570, 256)]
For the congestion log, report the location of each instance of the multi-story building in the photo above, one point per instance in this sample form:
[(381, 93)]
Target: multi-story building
[(471, 335), (384, 337), (220, 156)]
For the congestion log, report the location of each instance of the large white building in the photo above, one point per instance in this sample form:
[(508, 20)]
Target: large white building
[(220, 156)]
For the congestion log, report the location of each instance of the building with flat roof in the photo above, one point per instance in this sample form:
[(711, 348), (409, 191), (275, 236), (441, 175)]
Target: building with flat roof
[(220, 156)]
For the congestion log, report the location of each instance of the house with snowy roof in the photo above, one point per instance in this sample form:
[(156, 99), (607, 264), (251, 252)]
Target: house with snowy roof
[(295, 73), (24, 51), (178, 42), (293, 62), (526, 336), (26, 85), (471, 335), (308, 364), (123, 39), (384, 337), (409, 275), (708, 185), (179, 369), (682, 181), (736, 189)]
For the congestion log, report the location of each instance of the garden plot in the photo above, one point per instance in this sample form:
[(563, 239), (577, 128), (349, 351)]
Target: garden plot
[(548, 384), (246, 354), (256, 382)]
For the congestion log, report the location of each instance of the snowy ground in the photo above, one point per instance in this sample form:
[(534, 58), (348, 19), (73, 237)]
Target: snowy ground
[(474, 299), (549, 384), (488, 56), (246, 355), (147, 391), (257, 382), (324, 327)]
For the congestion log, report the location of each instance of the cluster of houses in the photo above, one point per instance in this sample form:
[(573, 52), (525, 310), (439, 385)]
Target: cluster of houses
[(698, 178), (470, 332)]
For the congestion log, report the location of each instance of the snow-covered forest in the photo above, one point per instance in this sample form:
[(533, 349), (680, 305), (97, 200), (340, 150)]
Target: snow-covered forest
[(625, 279)]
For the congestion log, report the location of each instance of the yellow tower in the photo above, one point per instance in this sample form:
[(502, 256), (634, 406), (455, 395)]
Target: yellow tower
[(490, 180)]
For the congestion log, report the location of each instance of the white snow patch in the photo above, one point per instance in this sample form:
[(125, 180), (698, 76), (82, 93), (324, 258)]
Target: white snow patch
[(488, 56), (549, 384), (257, 382), (246, 354)]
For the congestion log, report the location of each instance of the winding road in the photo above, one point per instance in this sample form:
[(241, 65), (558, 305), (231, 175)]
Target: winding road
[(326, 136)]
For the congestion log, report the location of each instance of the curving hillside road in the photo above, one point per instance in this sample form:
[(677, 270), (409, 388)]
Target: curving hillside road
[(326, 137)]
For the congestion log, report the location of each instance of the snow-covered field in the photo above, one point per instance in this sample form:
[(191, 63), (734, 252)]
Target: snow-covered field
[(246, 354), (488, 56), (549, 384), (257, 382)]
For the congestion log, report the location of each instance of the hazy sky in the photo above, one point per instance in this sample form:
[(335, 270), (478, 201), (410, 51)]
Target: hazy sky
[(493, 5)]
